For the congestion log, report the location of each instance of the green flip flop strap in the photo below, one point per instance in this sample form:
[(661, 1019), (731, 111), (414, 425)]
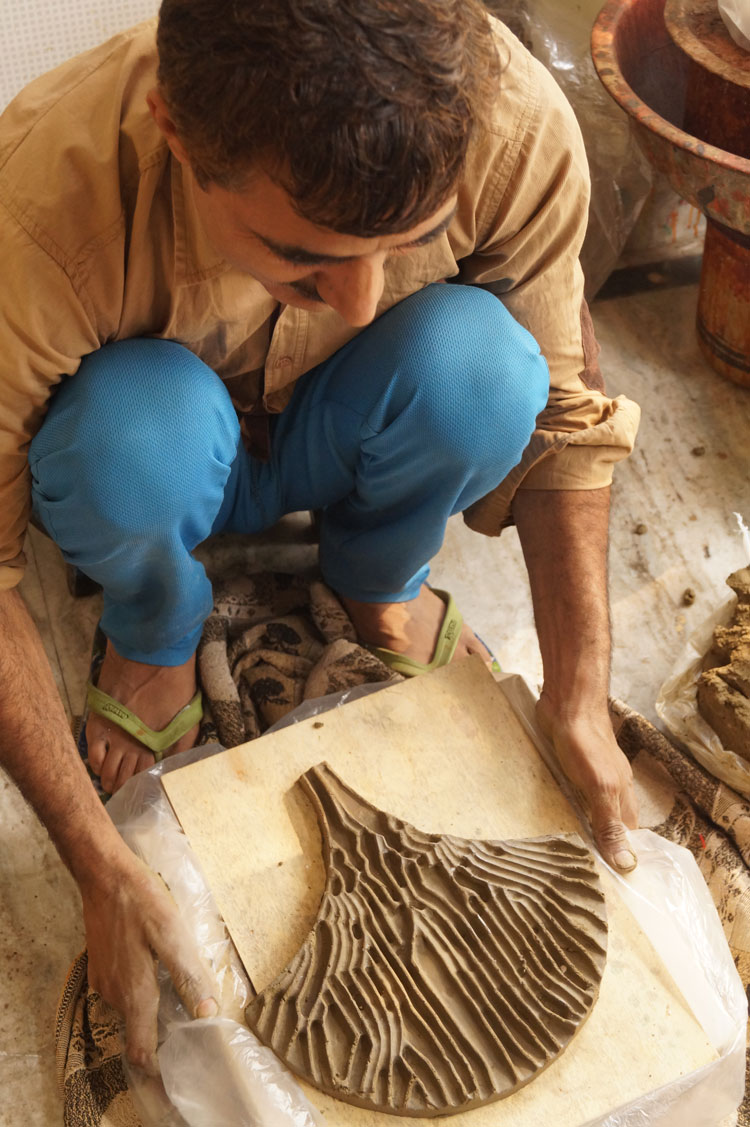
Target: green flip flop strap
[(156, 741), (450, 632)]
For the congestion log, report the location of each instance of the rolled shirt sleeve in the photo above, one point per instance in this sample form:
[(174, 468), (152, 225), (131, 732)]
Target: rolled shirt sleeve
[(531, 226)]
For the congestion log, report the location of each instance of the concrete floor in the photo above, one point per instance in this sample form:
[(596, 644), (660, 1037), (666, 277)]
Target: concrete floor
[(684, 499)]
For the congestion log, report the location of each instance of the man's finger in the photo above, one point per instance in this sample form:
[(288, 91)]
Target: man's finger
[(141, 1009), (610, 834), (192, 980), (629, 807)]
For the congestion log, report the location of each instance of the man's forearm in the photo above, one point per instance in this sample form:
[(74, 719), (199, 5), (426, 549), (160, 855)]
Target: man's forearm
[(564, 537), (564, 540), (128, 913), (38, 751)]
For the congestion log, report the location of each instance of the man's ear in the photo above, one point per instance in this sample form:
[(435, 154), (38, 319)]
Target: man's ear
[(160, 113)]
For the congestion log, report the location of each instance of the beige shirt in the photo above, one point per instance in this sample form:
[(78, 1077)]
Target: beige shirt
[(100, 242)]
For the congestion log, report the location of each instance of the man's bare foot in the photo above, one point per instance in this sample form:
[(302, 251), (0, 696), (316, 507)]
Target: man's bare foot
[(410, 628), (155, 693)]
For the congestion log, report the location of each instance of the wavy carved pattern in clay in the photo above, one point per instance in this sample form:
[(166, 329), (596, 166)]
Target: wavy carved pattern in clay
[(441, 973)]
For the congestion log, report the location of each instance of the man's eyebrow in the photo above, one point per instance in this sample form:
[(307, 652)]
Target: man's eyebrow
[(302, 257), (435, 233)]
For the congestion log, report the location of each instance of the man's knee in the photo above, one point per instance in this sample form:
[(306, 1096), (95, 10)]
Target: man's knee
[(478, 374), (128, 433)]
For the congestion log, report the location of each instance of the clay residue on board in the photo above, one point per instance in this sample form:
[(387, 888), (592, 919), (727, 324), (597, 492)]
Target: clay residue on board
[(441, 973), (724, 690)]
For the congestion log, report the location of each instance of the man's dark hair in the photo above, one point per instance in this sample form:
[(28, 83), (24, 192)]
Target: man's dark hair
[(361, 109)]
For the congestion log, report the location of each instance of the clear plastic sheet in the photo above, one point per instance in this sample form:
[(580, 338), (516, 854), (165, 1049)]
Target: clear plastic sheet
[(670, 900), (217, 1073), (247, 1084), (558, 34)]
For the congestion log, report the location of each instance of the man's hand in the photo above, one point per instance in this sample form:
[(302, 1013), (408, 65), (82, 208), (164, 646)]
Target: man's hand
[(131, 920), (564, 540), (601, 776)]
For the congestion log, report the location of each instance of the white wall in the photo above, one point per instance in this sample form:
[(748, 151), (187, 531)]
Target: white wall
[(36, 35)]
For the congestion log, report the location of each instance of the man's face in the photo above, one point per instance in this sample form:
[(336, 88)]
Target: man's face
[(258, 231)]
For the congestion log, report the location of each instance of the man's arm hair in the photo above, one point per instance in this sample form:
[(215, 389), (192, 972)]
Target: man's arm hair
[(37, 747)]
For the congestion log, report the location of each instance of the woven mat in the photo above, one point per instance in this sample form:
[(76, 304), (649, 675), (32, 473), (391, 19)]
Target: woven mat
[(275, 640)]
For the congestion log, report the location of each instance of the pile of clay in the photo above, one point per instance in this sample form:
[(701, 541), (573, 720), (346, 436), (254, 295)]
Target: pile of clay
[(724, 689)]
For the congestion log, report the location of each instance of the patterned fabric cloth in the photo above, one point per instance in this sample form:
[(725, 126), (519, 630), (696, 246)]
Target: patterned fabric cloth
[(272, 642), (89, 1065), (275, 640)]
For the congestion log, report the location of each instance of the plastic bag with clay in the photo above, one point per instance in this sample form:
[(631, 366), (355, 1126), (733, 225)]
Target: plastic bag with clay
[(677, 702), (558, 34), (218, 1074), (677, 706), (736, 16)]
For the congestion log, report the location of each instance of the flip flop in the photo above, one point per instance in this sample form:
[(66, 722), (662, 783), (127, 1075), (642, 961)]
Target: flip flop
[(156, 741), (450, 632)]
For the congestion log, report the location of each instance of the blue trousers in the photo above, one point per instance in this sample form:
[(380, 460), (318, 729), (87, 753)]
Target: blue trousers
[(139, 459)]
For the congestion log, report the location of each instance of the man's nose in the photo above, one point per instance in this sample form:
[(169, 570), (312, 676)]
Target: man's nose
[(354, 288)]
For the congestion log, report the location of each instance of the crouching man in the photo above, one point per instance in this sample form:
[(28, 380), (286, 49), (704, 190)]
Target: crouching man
[(281, 255)]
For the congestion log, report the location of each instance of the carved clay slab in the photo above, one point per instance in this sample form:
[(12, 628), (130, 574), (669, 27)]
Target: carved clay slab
[(441, 973)]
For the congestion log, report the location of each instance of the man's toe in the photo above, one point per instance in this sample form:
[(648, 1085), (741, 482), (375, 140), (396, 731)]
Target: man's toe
[(185, 742), (145, 759), (130, 765), (97, 745), (475, 646), (110, 769)]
